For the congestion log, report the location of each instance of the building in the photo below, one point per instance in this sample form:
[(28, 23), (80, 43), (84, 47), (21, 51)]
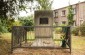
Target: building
[(78, 11)]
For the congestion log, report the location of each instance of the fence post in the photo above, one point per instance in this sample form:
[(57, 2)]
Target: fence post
[(12, 41), (70, 38)]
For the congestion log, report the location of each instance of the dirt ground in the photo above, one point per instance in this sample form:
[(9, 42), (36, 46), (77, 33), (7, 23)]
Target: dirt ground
[(78, 48), (26, 51)]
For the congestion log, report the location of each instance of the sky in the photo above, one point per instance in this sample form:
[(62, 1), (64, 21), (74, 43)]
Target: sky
[(56, 4), (62, 3)]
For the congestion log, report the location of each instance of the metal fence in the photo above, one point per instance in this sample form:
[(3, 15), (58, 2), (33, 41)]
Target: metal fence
[(58, 37)]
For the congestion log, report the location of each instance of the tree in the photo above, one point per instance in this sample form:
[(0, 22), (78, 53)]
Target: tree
[(11, 8), (70, 15), (44, 4)]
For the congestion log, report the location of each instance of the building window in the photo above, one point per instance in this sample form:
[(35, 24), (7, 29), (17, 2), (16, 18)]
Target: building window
[(56, 14), (74, 10), (43, 20), (63, 13), (63, 22), (81, 22)]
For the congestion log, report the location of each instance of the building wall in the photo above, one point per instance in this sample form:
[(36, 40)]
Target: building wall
[(79, 15)]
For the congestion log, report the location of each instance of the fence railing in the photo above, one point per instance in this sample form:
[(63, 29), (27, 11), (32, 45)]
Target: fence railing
[(27, 36)]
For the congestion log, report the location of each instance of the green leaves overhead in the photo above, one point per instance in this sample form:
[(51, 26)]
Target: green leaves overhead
[(12, 7)]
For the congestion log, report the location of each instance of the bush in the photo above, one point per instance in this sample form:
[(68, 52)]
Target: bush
[(58, 30), (27, 21), (82, 29), (3, 27), (75, 31)]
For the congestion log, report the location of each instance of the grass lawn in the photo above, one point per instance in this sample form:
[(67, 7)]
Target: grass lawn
[(6, 36), (78, 43)]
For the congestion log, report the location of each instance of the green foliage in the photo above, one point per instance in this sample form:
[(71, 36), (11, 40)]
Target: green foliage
[(79, 30), (27, 21), (70, 15), (5, 24), (75, 31), (13, 6), (63, 35), (58, 30), (3, 27), (10, 24), (82, 29), (17, 23), (44, 4)]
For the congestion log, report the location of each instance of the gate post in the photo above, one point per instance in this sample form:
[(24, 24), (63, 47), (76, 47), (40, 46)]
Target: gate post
[(12, 40), (70, 38)]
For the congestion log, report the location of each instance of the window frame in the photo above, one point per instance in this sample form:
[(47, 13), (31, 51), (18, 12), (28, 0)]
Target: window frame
[(63, 13), (44, 20), (74, 10), (63, 22), (56, 14)]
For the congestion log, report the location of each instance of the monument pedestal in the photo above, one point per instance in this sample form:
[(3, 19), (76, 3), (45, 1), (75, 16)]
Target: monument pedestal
[(43, 42)]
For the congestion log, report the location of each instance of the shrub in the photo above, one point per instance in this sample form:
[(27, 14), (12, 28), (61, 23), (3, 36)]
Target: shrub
[(3, 27), (58, 30), (27, 21), (75, 31), (82, 29)]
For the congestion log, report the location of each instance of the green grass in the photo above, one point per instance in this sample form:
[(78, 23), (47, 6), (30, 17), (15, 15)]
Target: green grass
[(77, 42), (6, 36), (4, 46)]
